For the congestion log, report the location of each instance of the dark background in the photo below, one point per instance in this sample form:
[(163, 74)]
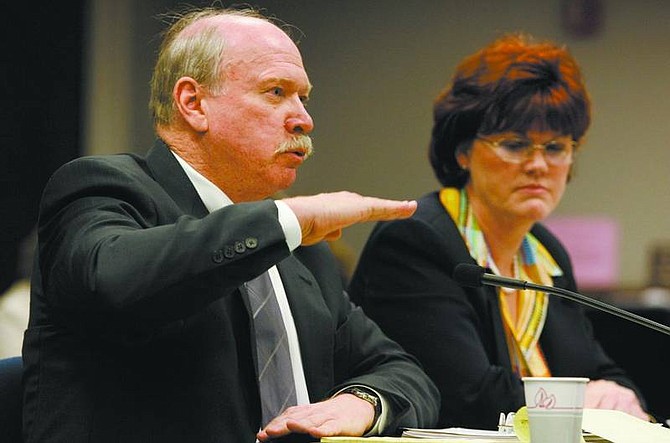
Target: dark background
[(40, 93)]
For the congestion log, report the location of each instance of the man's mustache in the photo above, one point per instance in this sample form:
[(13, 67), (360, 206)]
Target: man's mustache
[(299, 143)]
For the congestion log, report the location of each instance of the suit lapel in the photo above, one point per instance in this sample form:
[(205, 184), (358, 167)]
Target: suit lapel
[(313, 323), (169, 174), (445, 224)]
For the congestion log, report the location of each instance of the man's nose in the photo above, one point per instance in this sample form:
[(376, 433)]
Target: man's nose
[(300, 123)]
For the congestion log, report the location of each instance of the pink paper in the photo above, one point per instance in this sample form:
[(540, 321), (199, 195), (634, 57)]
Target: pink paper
[(593, 245)]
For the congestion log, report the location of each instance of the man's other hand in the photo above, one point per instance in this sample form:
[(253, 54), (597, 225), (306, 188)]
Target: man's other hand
[(344, 414)]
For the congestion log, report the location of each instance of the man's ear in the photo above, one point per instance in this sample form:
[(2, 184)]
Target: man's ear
[(188, 94)]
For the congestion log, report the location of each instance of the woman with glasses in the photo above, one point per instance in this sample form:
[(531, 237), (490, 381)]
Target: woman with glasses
[(507, 130)]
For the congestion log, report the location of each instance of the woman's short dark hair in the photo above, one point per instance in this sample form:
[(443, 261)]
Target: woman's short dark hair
[(514, 84)]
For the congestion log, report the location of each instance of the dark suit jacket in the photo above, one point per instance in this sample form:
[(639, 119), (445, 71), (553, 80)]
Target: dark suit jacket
[(404, 282), (138, 330)]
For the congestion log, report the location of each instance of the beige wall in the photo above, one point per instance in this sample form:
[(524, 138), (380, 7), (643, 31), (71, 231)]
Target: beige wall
[(376, 66)]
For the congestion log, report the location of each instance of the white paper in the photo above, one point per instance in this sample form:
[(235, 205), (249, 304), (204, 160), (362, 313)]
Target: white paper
[(619, 427)]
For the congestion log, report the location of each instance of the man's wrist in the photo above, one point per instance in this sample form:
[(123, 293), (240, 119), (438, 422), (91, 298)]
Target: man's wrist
[(367, 395)]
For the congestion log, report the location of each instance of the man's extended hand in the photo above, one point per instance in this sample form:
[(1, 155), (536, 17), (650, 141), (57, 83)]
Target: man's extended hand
[(323, 216), (344, 414), (606, 394)]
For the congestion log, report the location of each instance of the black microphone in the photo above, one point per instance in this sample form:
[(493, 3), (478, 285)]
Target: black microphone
[(475, 276)]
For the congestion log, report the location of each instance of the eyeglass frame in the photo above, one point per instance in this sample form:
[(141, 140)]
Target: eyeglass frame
[(498, 149)]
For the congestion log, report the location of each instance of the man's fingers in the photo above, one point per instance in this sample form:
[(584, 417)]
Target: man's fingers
[(296, 419), (315, 425), (323, 216), (390, 210), (340, 415), (304, 425), (334, 235)]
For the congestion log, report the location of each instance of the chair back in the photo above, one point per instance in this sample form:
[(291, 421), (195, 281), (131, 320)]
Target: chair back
[(11, 399)]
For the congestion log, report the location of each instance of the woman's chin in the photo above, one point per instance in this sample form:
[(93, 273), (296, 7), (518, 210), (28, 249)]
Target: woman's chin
[(536, 211)]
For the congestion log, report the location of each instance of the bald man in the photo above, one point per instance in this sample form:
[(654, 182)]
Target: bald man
[(142, 326)]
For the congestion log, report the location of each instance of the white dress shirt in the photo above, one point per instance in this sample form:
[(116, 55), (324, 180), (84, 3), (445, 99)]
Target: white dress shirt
[(214, 198)]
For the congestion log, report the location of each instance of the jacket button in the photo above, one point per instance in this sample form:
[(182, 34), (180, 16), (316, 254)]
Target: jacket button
[(251, 242), (217, 256), (239, 247), (228, 251)]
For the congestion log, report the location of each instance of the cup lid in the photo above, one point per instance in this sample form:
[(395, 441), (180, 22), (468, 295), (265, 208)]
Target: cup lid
[(557, 379)]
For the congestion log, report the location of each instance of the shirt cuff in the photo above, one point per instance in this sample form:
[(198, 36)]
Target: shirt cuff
[(289, 224), (380, 424)]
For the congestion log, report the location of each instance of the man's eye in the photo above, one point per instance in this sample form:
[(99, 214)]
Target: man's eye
[(514, 145), (277, 90)]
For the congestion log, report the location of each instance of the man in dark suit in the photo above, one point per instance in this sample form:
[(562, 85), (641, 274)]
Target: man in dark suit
[(141, 326)]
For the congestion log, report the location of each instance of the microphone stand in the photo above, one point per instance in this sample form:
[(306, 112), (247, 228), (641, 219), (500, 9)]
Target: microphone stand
[(495, 280)]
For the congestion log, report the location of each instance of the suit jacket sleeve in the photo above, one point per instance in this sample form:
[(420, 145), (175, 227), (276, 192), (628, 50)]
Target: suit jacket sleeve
[(403, 281), (117, 252)]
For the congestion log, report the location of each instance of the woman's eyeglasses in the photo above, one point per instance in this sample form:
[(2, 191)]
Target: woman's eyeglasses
[(518, 150)]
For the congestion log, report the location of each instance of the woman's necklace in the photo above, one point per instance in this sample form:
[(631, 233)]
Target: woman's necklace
[(509, 297), (515, 271), (515, 275)]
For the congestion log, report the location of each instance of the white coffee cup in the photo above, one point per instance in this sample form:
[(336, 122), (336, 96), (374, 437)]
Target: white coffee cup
[(555, 406)]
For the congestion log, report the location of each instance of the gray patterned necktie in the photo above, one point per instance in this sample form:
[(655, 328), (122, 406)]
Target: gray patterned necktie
[(275, 375)]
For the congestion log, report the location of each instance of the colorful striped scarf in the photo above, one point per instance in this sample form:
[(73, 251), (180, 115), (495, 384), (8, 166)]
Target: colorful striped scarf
[(533, 263)]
